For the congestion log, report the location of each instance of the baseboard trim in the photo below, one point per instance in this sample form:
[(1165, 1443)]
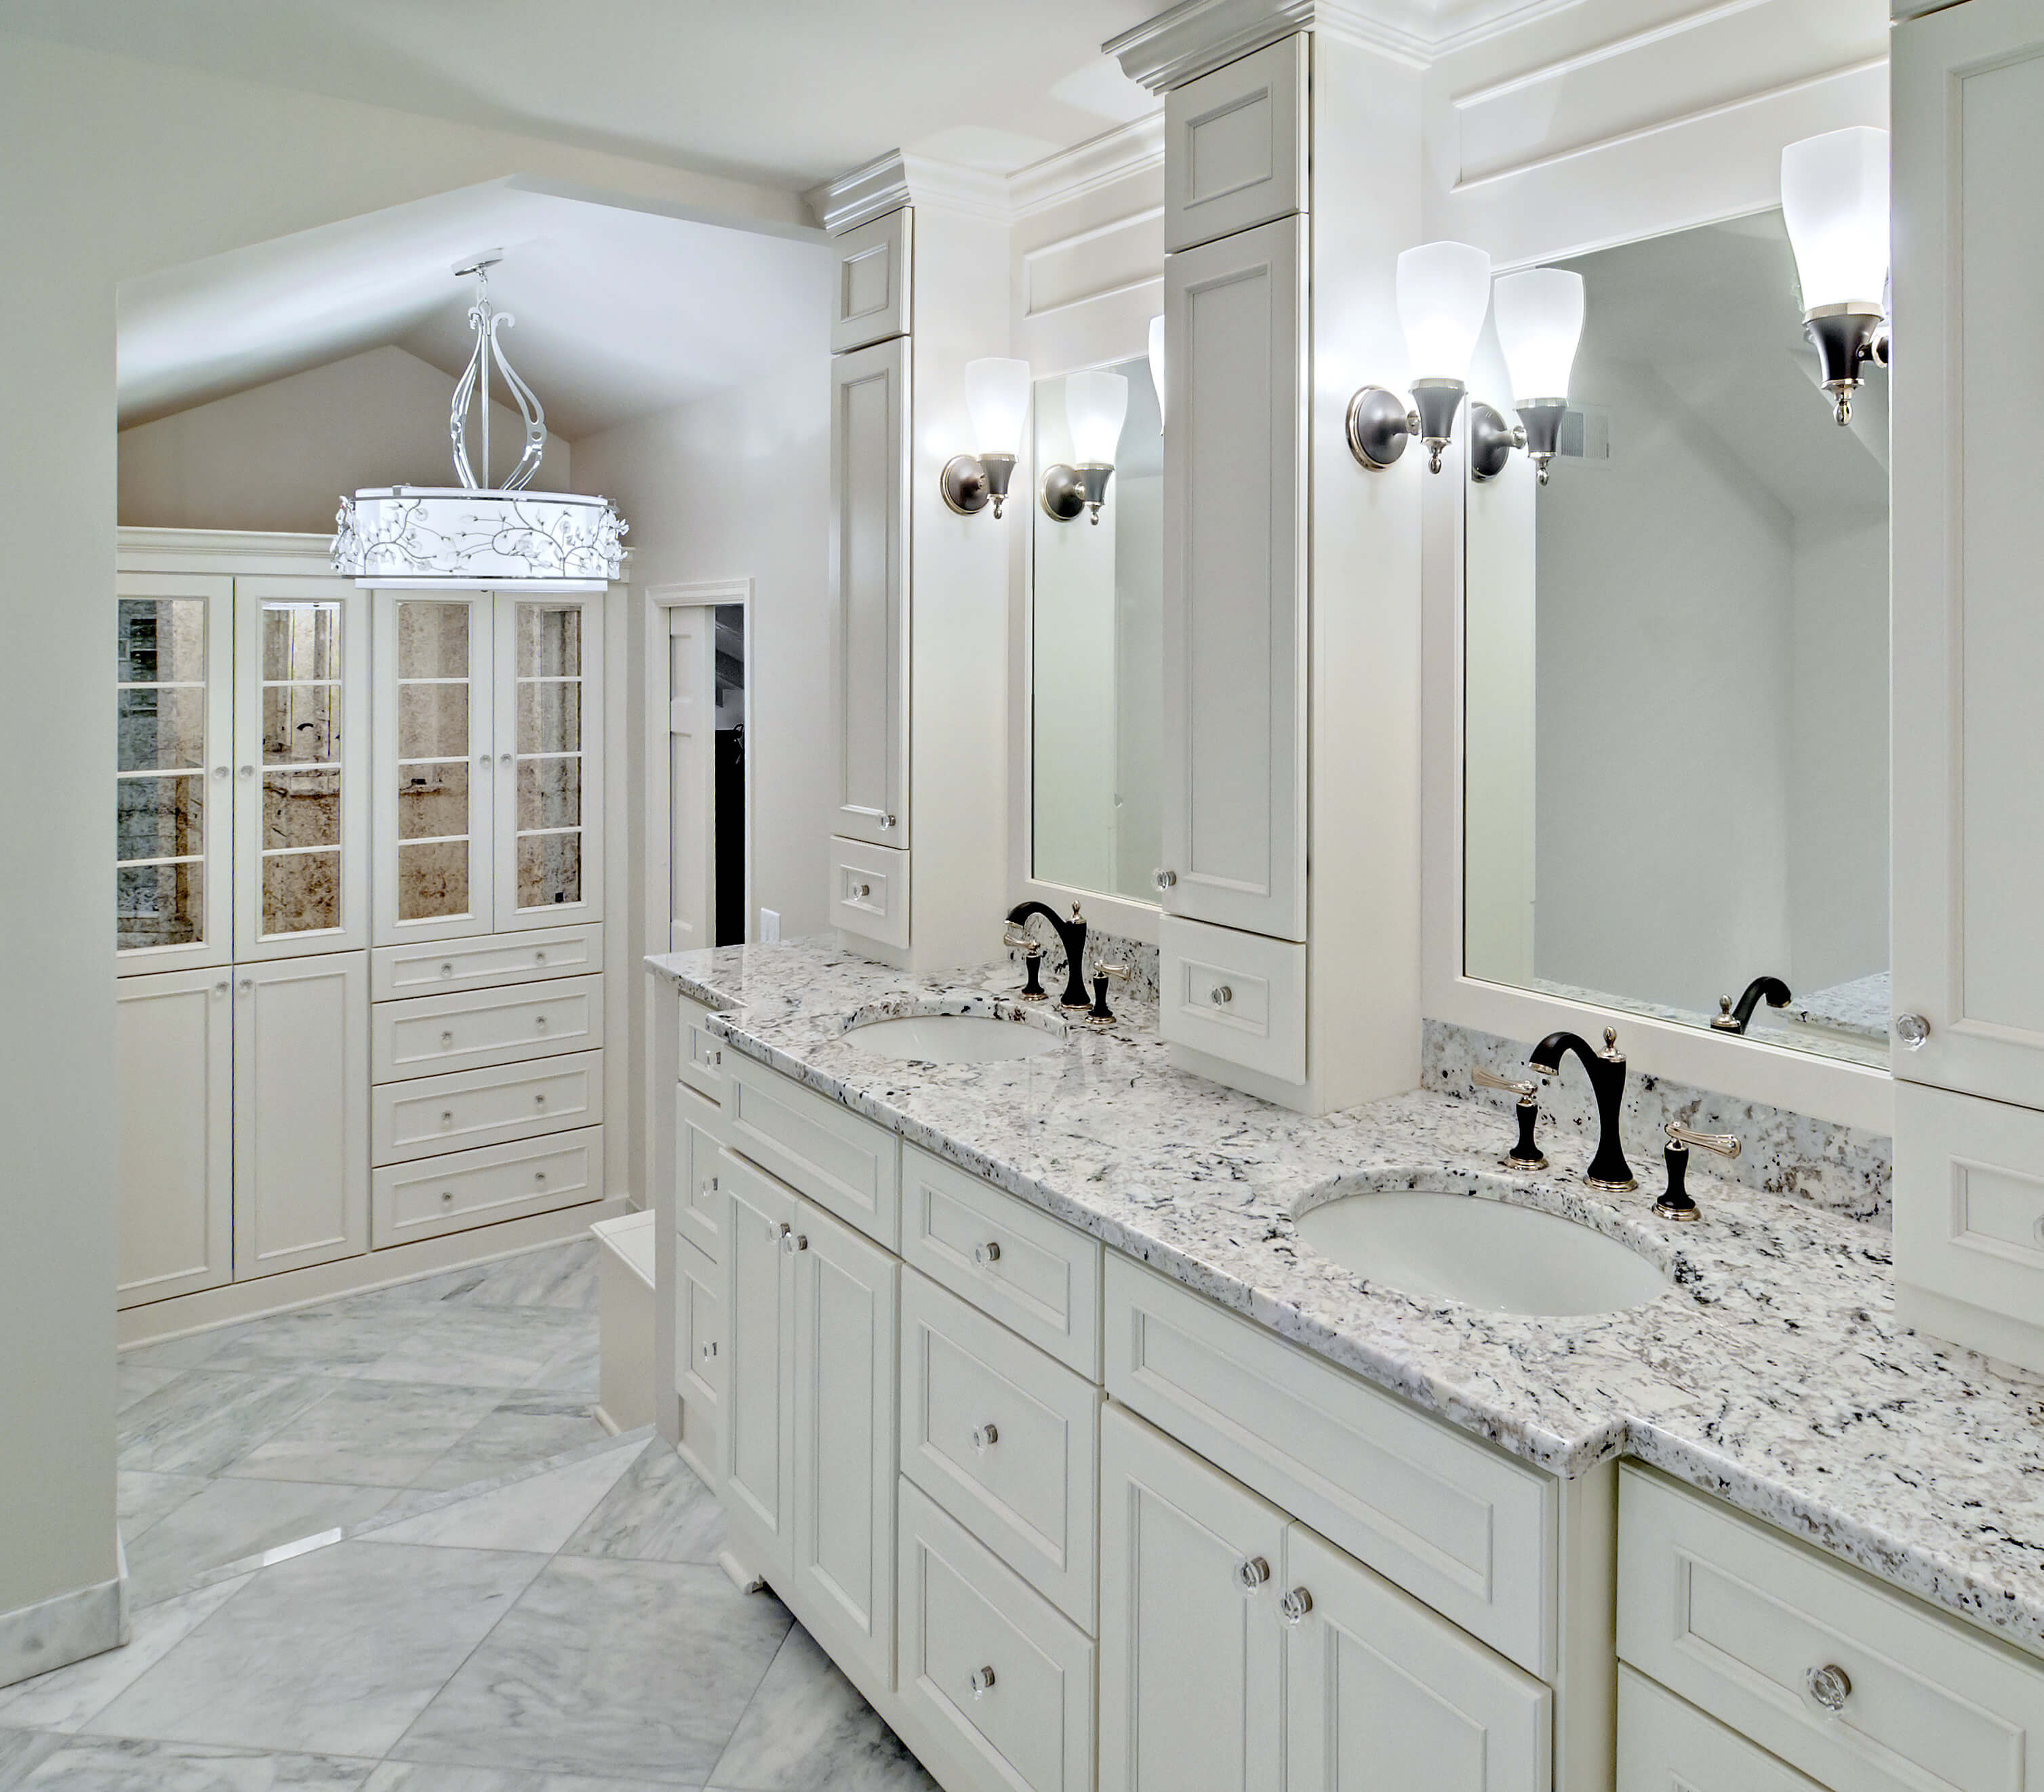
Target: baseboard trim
[(186, 1313), (54, 1633)]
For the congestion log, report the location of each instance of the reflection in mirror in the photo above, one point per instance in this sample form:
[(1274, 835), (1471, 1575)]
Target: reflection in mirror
[(1676, 759), (1096, 666)]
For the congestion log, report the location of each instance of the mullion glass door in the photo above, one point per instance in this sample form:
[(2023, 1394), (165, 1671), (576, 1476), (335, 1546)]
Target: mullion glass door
[(300, 663), (173, 829), (435, 770), (548, 769)]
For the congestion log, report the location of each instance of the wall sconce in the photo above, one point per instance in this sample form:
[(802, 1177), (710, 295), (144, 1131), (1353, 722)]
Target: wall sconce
[(1096, 404), (997, 400), (1835, 201), (1443, 292), (1539, 323), (1157, 365)]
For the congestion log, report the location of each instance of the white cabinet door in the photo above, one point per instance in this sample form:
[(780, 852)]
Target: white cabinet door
[(173, 818), (1235, 145), (1235, 583), (869, 461), (1383, 1695), (434, 762), (756, 1441), (874, 263), (301, 1112), (1191, 1681), (1969, 706), (301, 767), (846, 1296), (1665, 1745), (173, 1038), (547, 715), (699, 1357)]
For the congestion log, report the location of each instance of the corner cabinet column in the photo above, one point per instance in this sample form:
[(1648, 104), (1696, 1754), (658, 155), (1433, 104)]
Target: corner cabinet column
[(1969, 708)]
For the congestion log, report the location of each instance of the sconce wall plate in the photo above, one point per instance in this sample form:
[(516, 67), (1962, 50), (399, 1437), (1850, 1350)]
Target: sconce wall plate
[(970, 482), (1492, 440), (1067, 490), (1380, 423)]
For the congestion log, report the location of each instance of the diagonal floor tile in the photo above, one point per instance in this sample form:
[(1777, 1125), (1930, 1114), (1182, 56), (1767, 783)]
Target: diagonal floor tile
[(335, 1652), (94, 1764), (520, 1430), (539, 1513), (331, 1339), (576, 1367), (368, 1434), (70, 1697), (203, 1422), (659, 1512), (141, 1498), (808, 1729), (416, 1776), (562, 1276), (632, 1669), (132, 1380), (232, 1519), (478, 1347)]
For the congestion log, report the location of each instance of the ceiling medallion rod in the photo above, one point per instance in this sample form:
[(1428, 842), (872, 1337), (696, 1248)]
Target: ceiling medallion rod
[(470, 536)]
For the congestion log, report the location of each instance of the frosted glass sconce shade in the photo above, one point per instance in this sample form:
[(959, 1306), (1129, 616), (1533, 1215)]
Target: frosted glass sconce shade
[(1096, 406), (1540, 322), (1157, 363), (1443, 297), (1835, 201), (997, 400)]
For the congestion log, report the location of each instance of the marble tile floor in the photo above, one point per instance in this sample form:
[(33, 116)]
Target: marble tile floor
[(558, 1623)]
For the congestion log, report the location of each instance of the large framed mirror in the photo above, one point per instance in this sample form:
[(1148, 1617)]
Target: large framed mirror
[(1676, 678), (1096, 653)]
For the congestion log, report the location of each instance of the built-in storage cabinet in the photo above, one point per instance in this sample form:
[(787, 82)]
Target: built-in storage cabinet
[(875, 290), (1235, 583), (1236, 145), (1967, 808), (871, 457)]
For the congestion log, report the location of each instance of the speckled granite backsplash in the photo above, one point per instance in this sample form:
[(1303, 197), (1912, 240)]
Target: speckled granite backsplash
[(1101, 948), (1836, 1167)]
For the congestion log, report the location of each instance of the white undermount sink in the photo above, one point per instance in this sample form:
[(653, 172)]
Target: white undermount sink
[(952, 1039), (1437, 1244)]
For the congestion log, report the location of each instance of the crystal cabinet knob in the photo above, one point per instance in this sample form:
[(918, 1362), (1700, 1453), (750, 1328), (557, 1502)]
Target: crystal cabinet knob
[(710, 1351), (219, 774), (1295, 1604), (446, 970), (447, 1116), (446, 1197), (220, 988), (446, 1039), (1830, 1686), (504, 759), (1252, 1572), (249, 772), (985, 1437), (538, 1100), (1222, 995), (246, 985), (981, 1682), (539, 958), (989, 1252), (792, 1241), (1912, 1030), (1167, 880)]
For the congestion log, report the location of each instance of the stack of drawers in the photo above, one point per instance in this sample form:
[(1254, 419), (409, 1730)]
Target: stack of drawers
[(487, 1101)]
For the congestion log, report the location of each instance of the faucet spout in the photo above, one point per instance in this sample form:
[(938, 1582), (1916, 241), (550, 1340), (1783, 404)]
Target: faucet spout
[(1606, 1069), (1072, 935)]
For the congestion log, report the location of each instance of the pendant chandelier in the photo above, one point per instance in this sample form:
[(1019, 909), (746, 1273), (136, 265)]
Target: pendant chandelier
[(471, 536)]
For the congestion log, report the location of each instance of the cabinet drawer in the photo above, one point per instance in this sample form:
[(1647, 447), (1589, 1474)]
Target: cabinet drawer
[(869, 890), (1235, 146), (698, 1355), (426, 967), (990, 1675), (843, 1163), (874, 288), (1235, 996), (1006, 1441), (698, 1198), (423, 1117), (1666, 1745), (701, 1055), (1034, 1274), (474, 1188), (1736, 1618), (433, 1033), (1460, 1526)]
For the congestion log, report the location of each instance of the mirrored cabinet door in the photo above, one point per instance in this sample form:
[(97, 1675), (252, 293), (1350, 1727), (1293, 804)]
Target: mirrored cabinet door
[(549, 767), (435, 761), (302, 740), (173, 732)]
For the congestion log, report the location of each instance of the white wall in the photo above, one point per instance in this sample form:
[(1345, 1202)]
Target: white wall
[(278, 457), (111, 168)]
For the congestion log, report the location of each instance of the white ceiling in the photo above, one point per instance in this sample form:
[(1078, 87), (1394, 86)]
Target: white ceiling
[(787, 93), (618, 313)]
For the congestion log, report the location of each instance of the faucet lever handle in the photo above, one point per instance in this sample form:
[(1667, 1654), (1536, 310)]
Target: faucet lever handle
[(1120, 972), (1725, 1144), (1020, 938), (1490, 1079)]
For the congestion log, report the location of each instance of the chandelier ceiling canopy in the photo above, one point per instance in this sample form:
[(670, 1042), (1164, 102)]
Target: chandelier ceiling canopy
[(471, 536)]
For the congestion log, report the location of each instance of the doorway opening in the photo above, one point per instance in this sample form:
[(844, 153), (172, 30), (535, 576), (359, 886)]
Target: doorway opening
[(703, 815)]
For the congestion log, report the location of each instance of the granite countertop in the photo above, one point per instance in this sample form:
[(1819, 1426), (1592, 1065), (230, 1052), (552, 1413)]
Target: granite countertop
[(1773, 1373)]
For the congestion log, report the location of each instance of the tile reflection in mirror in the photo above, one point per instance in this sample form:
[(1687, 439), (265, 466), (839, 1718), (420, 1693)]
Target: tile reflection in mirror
[(1676, 661), (1097, 669)]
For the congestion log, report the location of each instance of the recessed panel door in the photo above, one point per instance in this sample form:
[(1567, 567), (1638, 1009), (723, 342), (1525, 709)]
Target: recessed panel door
[(755, 1442)]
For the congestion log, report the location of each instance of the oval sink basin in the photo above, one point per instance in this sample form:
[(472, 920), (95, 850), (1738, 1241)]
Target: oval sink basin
[(1485, 1254), (953, 1039)]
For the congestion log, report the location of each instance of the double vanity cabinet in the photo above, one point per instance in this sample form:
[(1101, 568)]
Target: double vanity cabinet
[(1066, 1521), (360, 940)]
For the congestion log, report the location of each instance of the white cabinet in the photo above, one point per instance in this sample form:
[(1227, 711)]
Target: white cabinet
[(1235, 583), (699, 1355), (1192, 1652), (1235, 146), (301, 1112), (1968, 710), (869, 461), (1666, 1745), (875, 288), (174, 1036), (755, 1443)]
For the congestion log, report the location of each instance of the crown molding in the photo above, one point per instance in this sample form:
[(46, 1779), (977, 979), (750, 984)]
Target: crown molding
[(1086, 168)]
